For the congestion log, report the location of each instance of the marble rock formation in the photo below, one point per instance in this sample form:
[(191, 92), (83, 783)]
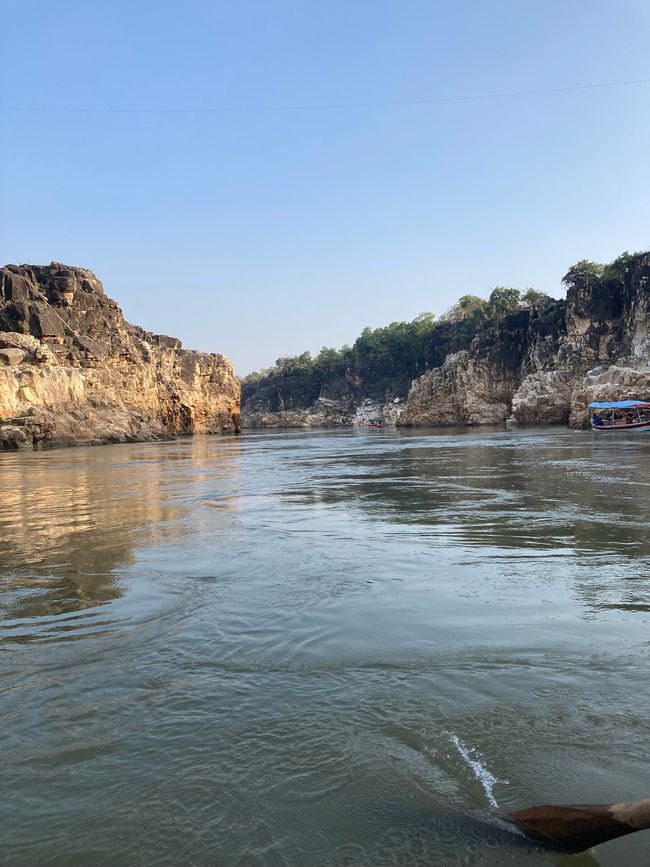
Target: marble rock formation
[(544, 368), (347, 392), (72, 370)]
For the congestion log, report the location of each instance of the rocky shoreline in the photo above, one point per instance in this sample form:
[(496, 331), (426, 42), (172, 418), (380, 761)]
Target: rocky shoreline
[(532, 367), (74, 372)]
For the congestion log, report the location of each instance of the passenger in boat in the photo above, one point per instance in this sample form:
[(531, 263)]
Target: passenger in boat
[(596, 420)]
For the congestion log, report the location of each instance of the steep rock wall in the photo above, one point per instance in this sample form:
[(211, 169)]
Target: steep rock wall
[(346, 393), (73, 370), (546, 368)]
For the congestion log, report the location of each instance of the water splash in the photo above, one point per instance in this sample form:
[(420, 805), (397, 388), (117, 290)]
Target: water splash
[(487, 779)]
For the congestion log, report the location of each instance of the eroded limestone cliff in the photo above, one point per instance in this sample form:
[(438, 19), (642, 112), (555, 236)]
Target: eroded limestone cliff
[(540, 364), (537, 368), (346, 391), (72, 370)]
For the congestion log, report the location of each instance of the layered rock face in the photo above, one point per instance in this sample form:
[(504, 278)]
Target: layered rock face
[(342, 400), (477, 386), (72, 370), (325, 412), (344, 394), (537, 368)]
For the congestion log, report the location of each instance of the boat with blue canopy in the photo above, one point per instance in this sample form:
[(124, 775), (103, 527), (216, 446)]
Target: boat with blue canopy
[(614, 416)]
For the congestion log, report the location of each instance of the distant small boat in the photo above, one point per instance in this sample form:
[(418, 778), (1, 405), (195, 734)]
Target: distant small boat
[(378, 421), (615, 416)]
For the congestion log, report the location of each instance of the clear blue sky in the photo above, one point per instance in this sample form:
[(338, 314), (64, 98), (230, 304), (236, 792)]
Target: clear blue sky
[(261, 234)]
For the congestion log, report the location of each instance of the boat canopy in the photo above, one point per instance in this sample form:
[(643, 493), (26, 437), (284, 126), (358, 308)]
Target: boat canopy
[(378, 418), (619, 404)]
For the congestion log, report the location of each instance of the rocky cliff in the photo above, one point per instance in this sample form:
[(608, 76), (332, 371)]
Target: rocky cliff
[(536, 368), (540, 364), (336, 398), (348, 390), (72, 370)]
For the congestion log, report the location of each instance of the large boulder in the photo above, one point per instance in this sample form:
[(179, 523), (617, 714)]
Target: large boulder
[(12, 356)]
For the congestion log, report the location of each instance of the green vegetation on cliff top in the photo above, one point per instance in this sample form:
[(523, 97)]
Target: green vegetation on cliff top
[(397, 353), (408, 345)]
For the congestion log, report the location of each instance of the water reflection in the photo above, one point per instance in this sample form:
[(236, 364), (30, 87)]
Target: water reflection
[(72, 521), (281, 638), (510, 492), (507, 495)]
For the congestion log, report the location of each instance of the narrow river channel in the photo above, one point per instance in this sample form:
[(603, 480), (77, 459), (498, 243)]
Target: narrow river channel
[(321, 648)]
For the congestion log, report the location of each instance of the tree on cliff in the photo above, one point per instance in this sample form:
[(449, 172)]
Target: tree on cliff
[(621, 265), (583, 273), (503, 300), (294, 363), (398, 346), (469, 307), (535, 298), (327, 358)]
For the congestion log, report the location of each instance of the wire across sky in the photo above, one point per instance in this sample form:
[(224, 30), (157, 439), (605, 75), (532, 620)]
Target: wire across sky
[(334, 105)]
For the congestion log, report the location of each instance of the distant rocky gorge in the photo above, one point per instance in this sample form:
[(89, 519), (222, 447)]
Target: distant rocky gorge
[(73, 371), (533, 366)]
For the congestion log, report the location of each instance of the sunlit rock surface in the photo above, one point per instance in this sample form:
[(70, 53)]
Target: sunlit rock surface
[(545, 368), (72, 370), (535, 366)]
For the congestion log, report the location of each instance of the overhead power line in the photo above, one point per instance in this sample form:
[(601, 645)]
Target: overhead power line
[(343, 105)]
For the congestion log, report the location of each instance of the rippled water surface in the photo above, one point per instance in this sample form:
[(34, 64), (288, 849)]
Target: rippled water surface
[(321, 648)]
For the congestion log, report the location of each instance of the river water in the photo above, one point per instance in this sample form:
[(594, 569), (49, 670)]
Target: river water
[(321, 648)]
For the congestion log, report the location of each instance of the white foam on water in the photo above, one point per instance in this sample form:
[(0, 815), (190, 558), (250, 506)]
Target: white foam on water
[(487, 779)]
